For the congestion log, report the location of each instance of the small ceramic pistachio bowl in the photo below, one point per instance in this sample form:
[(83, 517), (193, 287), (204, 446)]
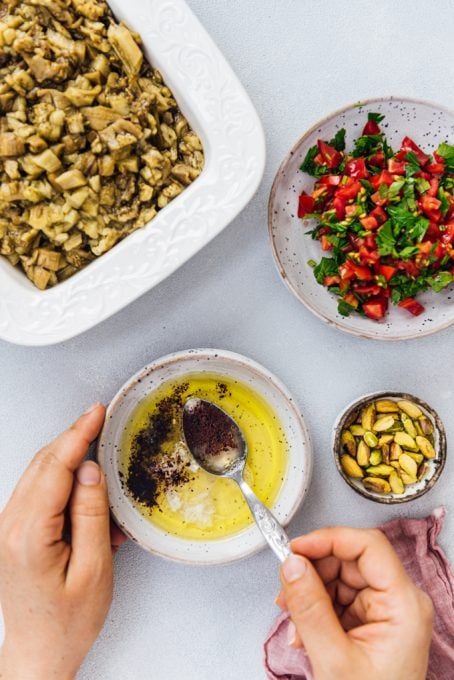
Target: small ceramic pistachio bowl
[(390, 447)]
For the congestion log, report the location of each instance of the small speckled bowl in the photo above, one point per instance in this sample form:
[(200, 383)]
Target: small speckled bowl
[(294, 486), (428, 124), (436, 464)]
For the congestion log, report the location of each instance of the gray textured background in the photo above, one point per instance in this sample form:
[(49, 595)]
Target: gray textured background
[(298, 59)]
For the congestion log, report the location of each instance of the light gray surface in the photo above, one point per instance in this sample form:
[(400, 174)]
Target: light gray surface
[(298, 59)]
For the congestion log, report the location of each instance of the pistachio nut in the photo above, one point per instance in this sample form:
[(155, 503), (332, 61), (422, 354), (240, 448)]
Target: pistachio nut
[(396, 483), (383, 423), (376, 484), (408, 465), (405, 441), (410, 408), (370, 439), (351, 467), (363, 454), (386, 406), (425, 447), (349, 442)]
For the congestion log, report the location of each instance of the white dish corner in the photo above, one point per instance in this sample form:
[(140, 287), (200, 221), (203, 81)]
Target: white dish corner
[(218, 108)]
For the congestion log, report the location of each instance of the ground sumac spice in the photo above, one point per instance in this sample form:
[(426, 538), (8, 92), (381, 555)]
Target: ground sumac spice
[(208, 431), (150, 472)]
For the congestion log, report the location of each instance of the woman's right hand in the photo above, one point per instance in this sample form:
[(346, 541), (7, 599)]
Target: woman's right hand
[(354, 608)]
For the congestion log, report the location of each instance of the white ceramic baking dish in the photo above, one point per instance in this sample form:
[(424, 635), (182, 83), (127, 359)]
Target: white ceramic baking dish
[(218, 108)]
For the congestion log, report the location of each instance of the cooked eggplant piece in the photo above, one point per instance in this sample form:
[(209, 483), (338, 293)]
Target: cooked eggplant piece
[(92, 143)]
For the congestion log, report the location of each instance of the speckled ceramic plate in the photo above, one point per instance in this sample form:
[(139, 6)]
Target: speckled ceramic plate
[(436, 465), (294, 486), (428, 124)]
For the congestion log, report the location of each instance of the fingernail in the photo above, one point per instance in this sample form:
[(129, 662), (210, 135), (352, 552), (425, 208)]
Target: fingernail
[(88, 474), (293, 568), (91, 408), (291, 634)]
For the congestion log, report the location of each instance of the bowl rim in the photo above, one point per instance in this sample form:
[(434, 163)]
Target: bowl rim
[(248, 364), (436, 421), (277, 261)]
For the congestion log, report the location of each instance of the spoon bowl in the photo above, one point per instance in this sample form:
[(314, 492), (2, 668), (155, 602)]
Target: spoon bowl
[(214, 438), (218, 446)]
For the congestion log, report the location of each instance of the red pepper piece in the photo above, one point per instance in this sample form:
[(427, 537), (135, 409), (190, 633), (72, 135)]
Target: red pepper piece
[(305, 204), (412, 306), (331, 280), (379, 215), (331, 157), (433, 187), (385, 270), (369, 222), (339, 207), (409, 145), (375, 308), (356, 168), (349, 190), (396, 167), (371, 128)]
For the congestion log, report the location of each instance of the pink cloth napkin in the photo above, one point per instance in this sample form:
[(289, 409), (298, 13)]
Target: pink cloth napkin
[(415, 542)]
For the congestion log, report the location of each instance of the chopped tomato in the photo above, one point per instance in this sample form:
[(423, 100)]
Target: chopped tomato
[(331, 280), (371, 128), (361, 273), (396, 167), (331, 157), (379, 200), (349, 190), (412, 306), (329, 180), (356, 168), (430, 207), (326, 245), (384, 177), (433, 187), (305, 204), (369, 222), (370, 242), (339, 207), (448, 234), (375, 308), (364, 289), (368, 256), (351, 210), (410, 267), (409, 145), (379, 215), (351, 300), (435, 168), (386, 270), (377, 160)]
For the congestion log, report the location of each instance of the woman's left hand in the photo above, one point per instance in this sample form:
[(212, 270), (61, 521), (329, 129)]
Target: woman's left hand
[(55, 595)]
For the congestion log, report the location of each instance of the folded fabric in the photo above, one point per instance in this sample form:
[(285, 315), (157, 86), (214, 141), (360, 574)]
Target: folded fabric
[(415, 541)]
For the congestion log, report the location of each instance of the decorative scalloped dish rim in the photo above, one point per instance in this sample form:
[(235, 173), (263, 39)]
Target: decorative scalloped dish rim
[(220, 111)]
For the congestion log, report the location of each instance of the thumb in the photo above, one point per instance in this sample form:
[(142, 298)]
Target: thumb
[(90, 523), (312, 613)]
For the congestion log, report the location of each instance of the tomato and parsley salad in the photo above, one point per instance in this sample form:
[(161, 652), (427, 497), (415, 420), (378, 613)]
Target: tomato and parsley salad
[(385, 217)]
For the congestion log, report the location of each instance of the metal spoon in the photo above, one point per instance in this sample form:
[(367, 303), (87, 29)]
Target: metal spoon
[(218, 446)]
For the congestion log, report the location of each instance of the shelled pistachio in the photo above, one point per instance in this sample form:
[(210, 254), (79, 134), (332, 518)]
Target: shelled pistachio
[(388, 445)]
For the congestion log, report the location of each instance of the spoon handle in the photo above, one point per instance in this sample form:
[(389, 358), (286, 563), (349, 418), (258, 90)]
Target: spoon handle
[(272, 531)]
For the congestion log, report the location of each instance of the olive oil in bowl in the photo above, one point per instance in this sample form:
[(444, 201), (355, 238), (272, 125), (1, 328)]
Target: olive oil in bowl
[(165, 483)]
